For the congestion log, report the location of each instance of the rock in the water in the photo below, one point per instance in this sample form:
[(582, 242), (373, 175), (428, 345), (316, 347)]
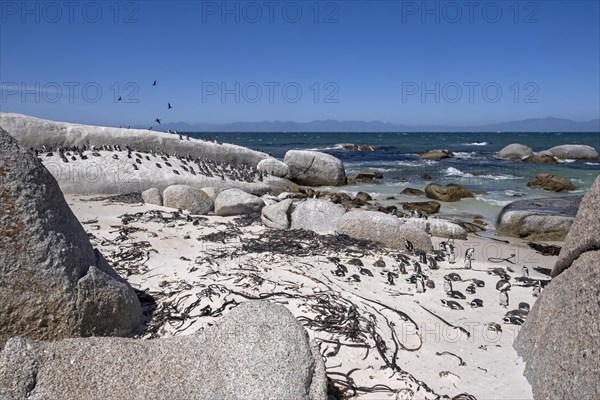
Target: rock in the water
[(450, 192), (212, 192), (187, 198), (429, 207), (316, 215), (358, 147), (274, 167), (538, 219), (553, 183), (152, 196), (313, 168), (583, 235), (515, 151), (559, 340), (382, 228), (277, 215), (412, 192), (365, 177), (52, 283), (363, 197), (439, 227), (237, 202), (436, 155), (541, 159), (257, 351), (574, 152)]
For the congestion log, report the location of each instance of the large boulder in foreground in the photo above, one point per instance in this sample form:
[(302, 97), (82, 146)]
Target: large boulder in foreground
[(316, 215), (538, 219), (551, 182), (274, 167), (383, 228), (583, 235), (277, 215), (187, 198), (559, 340), (515, 151), (450, 192), (313, 168), (237, 202), (52, 283), (152, 196), (574, 152), (257, 351)]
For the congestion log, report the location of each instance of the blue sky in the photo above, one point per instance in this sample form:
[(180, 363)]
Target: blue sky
[(395, 61)]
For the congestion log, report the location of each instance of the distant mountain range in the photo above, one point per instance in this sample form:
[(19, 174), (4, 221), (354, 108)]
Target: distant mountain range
[(527, 125)]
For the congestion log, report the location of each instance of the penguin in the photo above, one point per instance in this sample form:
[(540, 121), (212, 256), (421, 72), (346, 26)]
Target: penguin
[(354, 278), (176, 172), (408, 245), (522, 314), (158, 165), (525, 272), (364, 271), (423, 257), (447, 285), (379, 263), (469, 257), (390, 278), (513, 320), (471, 289), (455, 294), (537, 289), (356, 261), (342, 267), (430, 284), (524, 306), (453, 276), (137, 160), (420, 284), (494, 327), (135, 167), (475, 303), (452, 304), (417, 267), (402, 269), (479, 283), (432, 263), (503, 285), (504, 298)]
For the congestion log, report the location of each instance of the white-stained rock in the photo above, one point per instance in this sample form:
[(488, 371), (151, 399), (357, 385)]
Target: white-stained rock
[(574, 152), (316, 215), (277, 215), (152, 196), (274, 167), (237, 202), (313, 168), (515, 151), (187, 198)]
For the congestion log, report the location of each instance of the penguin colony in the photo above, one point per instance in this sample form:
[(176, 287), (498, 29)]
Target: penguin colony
[(187, 165), (416, 260)]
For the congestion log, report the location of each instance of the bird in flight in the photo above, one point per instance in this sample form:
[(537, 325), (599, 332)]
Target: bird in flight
[(120, 98), (154, 84), (169, 106), (150, 128), (157, 120)]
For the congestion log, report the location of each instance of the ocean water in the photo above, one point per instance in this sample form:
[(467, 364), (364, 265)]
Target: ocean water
[(473, 166)]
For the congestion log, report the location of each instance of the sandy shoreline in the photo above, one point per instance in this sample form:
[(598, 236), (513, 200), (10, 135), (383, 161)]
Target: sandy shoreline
[(197, 268)]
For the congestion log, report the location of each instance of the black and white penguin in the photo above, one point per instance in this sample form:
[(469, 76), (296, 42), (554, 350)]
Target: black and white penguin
[(471, 289), (402, 269), (469, 257), (504, 298), (417, 267), (408, 245), (453, 276), (452, 304), (420, 284), (524, 306), (430, 284), (365, 271), (479, 283), (390, 278), (537, 289), (379, 263), (475, 303), (525, 272), (455, 294), (503, 285), (447, 284)]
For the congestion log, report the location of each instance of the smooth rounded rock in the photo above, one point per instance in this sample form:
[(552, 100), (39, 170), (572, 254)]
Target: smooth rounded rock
[(313, 168), (449, 193), (550, 182), (237, 202), (187, 198), (277, 215), (574, 152), (274, 167), (152, 196), (515, 151), (316, 215)]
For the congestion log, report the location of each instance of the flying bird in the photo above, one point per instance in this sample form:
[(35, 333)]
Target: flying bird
[(169, 106), (120, 98), (157, 120), (154, 84)]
